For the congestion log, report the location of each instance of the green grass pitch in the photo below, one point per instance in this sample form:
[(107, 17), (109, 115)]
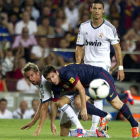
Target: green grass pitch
[(10, 130)]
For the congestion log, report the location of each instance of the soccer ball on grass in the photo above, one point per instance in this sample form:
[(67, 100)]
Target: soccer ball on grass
[(99, 89)]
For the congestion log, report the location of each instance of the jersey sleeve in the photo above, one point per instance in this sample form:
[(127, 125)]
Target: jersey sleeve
[(112, 36), (44, 91), (80, 38), (71, 77), (19, 85), (44, 98)]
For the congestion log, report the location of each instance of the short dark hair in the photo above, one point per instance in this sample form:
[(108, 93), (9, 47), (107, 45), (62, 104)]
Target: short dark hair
[(46, 7), (97, 1), (45, 17), (136, 88), (47, 70), (66, 33), (3, 99), (9, 50)]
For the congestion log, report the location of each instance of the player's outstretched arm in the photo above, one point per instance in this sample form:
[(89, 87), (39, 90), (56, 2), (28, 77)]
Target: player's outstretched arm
[(36, 117), (78, 54), (43, 114), (119, 61), (54, 110)]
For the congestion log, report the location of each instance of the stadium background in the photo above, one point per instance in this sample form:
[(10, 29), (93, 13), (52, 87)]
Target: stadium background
[(58, 21)]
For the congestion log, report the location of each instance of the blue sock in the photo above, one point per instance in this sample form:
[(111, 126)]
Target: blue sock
[(128, 115), (122, 96), (91, 109)]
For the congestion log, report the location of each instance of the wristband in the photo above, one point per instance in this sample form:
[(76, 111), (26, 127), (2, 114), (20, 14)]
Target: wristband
[(120, 67)]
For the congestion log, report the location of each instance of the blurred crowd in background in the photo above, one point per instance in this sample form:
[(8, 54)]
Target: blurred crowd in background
[(29, 29), (22, 112)]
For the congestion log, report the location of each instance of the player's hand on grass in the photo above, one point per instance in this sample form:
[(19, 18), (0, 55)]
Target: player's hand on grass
[(84, 115), (120, 75), (53, 129), (37, 132), (28, 126)]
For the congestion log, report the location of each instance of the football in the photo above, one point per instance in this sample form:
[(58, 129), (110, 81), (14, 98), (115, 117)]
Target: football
[(99, 89)]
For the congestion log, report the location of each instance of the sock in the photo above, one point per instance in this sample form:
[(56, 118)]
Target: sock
[(71, 114), (89, 133), (94, 125), (91, 109), (122, 96), (128, 115), (72, 133), (95, 119)]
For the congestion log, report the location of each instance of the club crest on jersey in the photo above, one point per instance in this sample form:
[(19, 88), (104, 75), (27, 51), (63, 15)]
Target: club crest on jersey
[(72, 80), (96, 43), (101, 35), (78, 38)]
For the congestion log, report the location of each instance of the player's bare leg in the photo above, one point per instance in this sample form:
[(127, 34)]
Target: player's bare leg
[(64, 105), (116, 103), (77, 101), (65, 128), (123, 108), (66, 131)]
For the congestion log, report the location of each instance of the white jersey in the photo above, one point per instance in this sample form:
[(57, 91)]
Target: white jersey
[(44, 89), (97, 41)]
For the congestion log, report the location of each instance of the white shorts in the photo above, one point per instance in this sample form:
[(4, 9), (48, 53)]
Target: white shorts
[(100, 64), (63, 116)]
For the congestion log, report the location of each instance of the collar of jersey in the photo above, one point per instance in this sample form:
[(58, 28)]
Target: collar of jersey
[(40, 81), (98, 26)]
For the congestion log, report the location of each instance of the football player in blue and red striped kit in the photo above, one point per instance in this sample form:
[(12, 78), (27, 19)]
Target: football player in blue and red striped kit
[(77, 77)]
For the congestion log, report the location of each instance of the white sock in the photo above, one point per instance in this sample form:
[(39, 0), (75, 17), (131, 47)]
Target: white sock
[(89, 133), (96, 119), (72, 133), (94, 125), (71, 114)]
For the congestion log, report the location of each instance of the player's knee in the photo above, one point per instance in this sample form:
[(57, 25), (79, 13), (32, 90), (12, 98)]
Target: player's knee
[(63, 135), (114, 106), (77, 104), (117, 105), (59, 103), (64, 129)]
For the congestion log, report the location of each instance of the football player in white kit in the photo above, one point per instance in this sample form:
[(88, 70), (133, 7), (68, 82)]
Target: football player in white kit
[(31, 70), (96, 35), (44, 93)]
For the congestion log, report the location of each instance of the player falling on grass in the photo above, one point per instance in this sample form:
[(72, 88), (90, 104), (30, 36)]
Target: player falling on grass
[(96, 35), (43, 86), (31, 72), (74, 77)]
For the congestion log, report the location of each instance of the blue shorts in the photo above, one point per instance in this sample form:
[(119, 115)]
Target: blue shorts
[(109, 79)]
